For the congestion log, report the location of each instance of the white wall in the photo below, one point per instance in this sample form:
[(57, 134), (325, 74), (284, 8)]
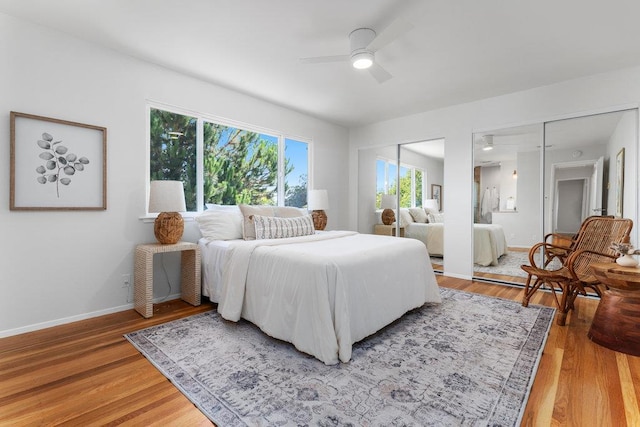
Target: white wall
[(625, 131), (63, 266), (598, 93)]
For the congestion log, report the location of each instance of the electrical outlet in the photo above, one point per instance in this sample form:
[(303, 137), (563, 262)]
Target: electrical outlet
[(126, 280)]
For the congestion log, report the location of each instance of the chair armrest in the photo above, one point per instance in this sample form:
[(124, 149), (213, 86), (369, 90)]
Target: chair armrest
[(545, 247), (560, 237)]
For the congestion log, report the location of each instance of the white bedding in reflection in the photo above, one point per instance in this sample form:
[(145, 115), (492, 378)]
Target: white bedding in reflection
[(321, 292), (489, 241)]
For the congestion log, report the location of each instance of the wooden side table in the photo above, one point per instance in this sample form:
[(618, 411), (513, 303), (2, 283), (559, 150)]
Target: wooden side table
[(615, 324), (387, 230), (143, 274)]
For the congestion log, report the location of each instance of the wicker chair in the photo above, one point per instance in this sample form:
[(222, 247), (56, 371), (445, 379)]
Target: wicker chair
[(592, 244), (564, 246)]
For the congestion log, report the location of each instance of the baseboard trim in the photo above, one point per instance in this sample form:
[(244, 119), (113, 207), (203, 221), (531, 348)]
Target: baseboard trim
[(70, 319)]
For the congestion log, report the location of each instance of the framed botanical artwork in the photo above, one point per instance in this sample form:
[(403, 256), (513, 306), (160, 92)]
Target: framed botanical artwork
[(57, 164), (436, 193), (619, 182)]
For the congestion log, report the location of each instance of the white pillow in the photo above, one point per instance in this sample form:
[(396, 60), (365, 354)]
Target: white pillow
[(248, 211), (418, 214), (431, 211), (270, 227), (439, 217), (215, 207), (405, 217), (220, 224), (290, 211)]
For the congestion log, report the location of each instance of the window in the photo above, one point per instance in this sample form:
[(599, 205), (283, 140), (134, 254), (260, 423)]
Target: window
[(236, 165), (411, 183)]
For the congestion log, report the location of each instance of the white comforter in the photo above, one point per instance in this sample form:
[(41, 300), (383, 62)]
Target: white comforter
[(489, 241), (326, 291)]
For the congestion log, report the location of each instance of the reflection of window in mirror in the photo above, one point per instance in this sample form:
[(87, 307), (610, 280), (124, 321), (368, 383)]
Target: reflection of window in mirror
[(411, 182)]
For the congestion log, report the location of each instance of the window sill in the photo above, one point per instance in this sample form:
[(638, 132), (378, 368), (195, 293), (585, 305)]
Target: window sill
[(187, 216)]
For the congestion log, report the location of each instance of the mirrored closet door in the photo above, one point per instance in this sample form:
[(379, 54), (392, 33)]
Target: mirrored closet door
[(406, 178), (532, 181), (507, 204)]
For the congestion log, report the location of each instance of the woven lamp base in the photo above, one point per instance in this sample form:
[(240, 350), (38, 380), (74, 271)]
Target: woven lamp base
[(168, 227), (319, 219), (388, 216)]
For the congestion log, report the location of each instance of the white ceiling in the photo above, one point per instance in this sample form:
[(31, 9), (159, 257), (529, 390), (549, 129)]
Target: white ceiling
[(458, 50)]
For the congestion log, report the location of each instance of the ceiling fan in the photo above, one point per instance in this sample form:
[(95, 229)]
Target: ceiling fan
[(488, 142), (364, 43)]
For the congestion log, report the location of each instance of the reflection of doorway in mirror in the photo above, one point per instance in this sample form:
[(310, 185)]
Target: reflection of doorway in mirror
[(571, 205)]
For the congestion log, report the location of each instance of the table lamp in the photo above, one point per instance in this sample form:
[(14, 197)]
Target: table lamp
[(317, 203), (167, 198), (388, 204), (431, 204)]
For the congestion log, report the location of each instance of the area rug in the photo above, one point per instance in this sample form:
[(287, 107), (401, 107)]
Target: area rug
[(508, 264), (468, 361)]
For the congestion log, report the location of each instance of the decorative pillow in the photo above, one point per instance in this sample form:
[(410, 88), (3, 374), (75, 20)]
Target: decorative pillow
[(289, 212), (269, 227), (405, 217), (220, 224), (248, 211), (418, 214), (431, 211), (439, 217)]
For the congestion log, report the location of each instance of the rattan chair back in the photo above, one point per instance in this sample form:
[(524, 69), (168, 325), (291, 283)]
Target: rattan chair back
[(592, 244)]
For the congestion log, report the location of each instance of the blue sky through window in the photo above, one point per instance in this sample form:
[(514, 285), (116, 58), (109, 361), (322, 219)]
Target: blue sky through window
[(298, 155)]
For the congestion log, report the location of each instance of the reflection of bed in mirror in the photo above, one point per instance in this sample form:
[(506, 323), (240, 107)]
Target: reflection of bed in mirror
[(489, 240)]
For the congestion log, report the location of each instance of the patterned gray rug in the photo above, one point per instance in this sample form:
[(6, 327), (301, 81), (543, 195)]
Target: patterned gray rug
[(469, 361), (508, 264)]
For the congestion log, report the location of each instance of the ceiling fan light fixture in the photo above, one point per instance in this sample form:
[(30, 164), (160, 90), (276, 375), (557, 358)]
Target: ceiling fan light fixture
[(362, 60), (488, 142)]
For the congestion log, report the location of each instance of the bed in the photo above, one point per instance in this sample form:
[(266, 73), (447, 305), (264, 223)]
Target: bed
[(321, 292), (427, 226), (489, 242)]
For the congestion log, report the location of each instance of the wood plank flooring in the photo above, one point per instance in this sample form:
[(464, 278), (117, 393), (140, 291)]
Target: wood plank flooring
[(86, 373)]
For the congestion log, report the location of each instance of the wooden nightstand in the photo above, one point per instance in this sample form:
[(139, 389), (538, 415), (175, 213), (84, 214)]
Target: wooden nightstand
[(143, 274), (387, 230)]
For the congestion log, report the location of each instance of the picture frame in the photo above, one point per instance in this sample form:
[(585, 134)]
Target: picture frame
[(619, 183), (436, 193), (56, 164)]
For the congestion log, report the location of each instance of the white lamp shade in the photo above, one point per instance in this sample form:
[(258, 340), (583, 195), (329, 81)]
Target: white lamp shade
[(166, 196), (431, 204), (388, 201), (318, 200)]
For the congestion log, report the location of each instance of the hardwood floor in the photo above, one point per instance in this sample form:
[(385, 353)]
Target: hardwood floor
[(86, 373)]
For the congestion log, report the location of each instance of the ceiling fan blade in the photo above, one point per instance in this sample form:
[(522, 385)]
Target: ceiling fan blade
[(321, 59), (394, 30), (379, 73)]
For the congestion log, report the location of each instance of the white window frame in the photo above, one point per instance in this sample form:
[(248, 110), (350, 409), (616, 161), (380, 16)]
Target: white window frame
[(204, 117), (412, 172)]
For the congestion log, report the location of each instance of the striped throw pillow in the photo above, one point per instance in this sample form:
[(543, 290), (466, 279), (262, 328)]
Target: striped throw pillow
[(272, 227)]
